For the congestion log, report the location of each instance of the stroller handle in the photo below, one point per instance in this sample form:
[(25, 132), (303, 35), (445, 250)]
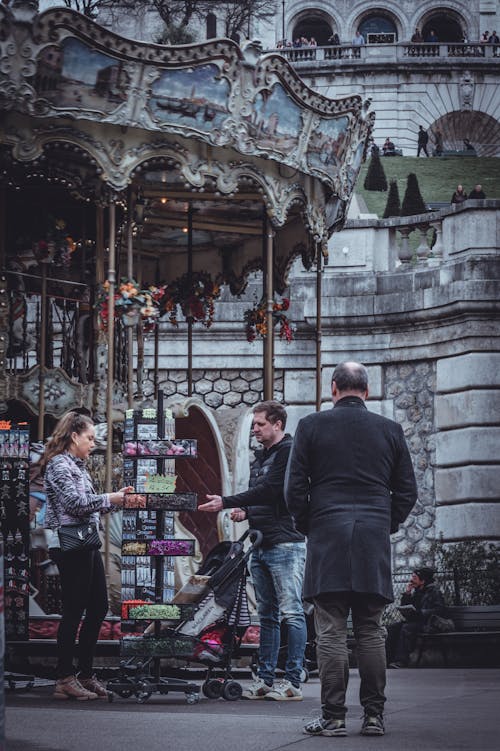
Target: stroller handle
[(256, 537)]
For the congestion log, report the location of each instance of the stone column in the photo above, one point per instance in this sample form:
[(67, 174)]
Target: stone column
[(467, 447)]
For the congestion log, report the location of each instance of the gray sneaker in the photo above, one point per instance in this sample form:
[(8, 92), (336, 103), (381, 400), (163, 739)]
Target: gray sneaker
[(373, 725), (285, 691), (320, 726), (257, 690)]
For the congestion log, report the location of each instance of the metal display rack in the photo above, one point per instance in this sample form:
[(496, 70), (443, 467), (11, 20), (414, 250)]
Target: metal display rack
[(149, 548)]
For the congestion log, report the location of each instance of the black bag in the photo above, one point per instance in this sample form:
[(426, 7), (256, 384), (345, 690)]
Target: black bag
[(439, 625), (76, 537)]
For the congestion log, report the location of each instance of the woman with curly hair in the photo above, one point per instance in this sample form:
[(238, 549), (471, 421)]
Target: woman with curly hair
[(71, 499)]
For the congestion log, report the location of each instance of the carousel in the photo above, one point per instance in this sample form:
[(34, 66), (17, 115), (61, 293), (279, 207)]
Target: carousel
[(137, 181)]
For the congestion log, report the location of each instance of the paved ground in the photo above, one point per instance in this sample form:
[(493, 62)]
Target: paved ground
[(427, 710)]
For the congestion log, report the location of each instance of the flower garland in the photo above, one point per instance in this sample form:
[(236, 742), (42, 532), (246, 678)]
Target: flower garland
[(194, 294), (130, 300), (256, 320)]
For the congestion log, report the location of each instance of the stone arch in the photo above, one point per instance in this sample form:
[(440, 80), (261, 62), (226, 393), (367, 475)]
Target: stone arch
[(314, 22), (481, 129), (391, 10), (208, 474), (450, 23)]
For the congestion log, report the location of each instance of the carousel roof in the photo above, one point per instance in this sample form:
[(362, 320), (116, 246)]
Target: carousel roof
[(219, 136)]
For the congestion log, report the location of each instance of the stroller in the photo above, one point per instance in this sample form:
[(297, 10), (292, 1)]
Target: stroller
[(216, 597)]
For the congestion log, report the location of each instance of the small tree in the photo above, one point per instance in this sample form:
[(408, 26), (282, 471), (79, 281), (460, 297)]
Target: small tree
[(393, 205), (375, 177), (413, 203)]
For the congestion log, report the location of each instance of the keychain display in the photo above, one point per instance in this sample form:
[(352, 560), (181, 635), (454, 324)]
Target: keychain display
[(14, 522)]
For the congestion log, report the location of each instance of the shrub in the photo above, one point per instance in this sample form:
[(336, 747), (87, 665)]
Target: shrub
[(375, 177), (475, 568), (413, 203), (393, 205)]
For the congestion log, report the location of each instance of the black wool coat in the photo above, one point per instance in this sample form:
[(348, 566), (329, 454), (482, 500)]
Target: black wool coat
[(349, 484)]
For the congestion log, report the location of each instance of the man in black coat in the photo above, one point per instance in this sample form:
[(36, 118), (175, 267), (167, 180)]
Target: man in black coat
[(277, 566), (349, 485), (423, 140), (421, 600)]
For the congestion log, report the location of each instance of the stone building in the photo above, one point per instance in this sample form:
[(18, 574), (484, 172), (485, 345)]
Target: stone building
[(425, 324)]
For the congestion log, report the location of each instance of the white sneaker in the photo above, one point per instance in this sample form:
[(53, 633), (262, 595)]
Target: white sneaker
[(285, 691), (257, 690)]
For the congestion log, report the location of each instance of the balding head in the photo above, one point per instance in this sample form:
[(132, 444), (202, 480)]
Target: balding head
[(349, 379)]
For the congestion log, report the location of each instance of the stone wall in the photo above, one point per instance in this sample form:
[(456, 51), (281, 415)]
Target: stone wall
[(411, 386), (220, 389)]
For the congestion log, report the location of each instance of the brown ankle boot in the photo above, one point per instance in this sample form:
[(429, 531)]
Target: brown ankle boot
[(95, 686), (71, 688)]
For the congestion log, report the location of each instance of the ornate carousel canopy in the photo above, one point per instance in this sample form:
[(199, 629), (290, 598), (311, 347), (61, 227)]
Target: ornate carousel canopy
[(208, 140)]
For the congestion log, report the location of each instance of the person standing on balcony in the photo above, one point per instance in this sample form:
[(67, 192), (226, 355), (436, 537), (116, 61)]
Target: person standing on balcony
[(423, 140), (358, 40), (459, 196), (431, 37), (334, 39), (417, 37), (494, 38), (477, 193)]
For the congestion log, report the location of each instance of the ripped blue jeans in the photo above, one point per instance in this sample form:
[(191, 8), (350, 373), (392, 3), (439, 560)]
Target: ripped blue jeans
[(277, 574)]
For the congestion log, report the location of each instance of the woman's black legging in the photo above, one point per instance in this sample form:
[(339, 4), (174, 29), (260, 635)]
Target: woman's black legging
[(83, 589)]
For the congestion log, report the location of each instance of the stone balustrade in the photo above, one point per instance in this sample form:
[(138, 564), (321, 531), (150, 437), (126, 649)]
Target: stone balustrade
[(399, 52), (372, 244)]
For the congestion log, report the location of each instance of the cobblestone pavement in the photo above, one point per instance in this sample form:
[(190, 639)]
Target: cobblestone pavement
[(427, 710)]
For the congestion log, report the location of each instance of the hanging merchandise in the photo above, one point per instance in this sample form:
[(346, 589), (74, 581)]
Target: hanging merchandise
[(14, 520)]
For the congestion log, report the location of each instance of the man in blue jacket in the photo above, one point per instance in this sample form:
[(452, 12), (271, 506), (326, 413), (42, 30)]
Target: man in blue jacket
[(349, 484), (277, 567)]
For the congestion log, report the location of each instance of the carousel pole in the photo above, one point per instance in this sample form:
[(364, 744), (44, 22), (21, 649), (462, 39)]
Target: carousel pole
[(319, 280), (42, 354), (130, 329), (139, 223), (109, 385), (190, 317), (156, 374), (269, 340)]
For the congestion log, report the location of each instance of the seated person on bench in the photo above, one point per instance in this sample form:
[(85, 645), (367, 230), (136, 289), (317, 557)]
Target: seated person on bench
[(419, 602)]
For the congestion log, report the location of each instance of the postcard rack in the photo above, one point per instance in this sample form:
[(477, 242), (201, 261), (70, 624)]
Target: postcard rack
[(149, 549)]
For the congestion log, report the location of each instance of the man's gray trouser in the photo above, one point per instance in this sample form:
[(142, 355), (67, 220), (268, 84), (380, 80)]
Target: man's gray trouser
[(330, 618)]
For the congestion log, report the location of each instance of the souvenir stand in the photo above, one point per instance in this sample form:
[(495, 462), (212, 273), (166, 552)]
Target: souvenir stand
[(14, 516), (149, 548), (14, 520)]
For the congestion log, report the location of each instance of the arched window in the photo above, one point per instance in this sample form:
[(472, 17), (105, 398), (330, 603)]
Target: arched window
[(313, 26), (211, 26), (446, 27), (378, 29)]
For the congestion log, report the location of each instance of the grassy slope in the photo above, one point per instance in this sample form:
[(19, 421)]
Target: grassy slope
[(437, 177)]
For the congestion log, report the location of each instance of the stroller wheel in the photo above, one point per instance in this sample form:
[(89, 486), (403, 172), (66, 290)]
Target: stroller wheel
[(143, 691), (212, 688), (232, 690)]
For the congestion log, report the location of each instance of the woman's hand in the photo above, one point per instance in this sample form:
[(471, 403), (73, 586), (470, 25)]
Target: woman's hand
[(118, 498)]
